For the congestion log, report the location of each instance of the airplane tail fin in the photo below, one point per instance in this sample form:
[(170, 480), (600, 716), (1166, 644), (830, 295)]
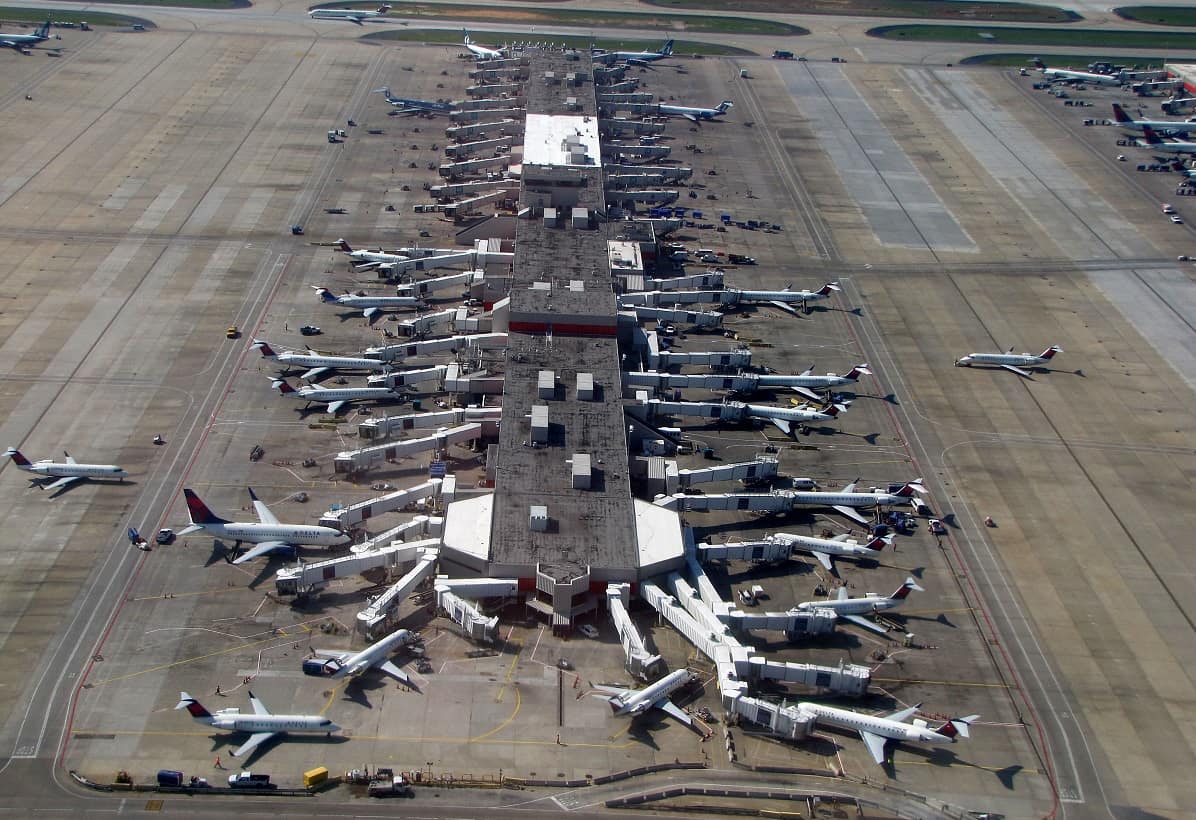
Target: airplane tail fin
[(264, 347), (1120, 116), (836, 409), (725, 106), (1150, 136), (199, 512), (857, 371), (325, 294), (904, 590), (194, 707), (341, 243), (910, 487), (829, 288), (668, 48), (15, 455), (957, 727), (465, 33), (879, 543), (43, 30), (283, 386), (385, 7), (1051, 351)]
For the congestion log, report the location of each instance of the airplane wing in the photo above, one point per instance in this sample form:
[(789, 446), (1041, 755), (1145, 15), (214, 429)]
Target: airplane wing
[(610, 690), (263, 512), (62, 482), (255, 740), (674, 711), (777, 303), (850, 512), (783, 425), (823, 559), (860, 620), (259, 708), (334, 406), (370, 313), (690, 117), (259, 550), (395, 672), (1018, 370), (314, 373), (807, 392), (876, 745)]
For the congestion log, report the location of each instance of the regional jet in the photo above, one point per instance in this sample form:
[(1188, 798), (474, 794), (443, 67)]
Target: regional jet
[(854, 609), (640, 58), (371, 306), (632, 702), (849, 502), (24, 42), (481, 52), (1160, 146), (808, 382), (335, 398), (1163, 126), (1062, 75), (785, 417), (336, 664), (1014, 362), (318, 364), (403, 105), (356, 16), (696, 114), (877, 730), (827, 549), (267, 534), (66, 472), (261, 725)]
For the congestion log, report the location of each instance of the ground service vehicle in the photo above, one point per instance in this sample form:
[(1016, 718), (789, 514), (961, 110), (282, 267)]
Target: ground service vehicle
[(249, 780)]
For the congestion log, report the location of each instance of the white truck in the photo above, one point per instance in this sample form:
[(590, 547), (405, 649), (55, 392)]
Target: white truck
[(393, 786)]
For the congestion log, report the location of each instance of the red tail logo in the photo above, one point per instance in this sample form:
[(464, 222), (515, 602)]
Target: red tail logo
[(200, 514), (16, 456), (948, 730), (344, 246), (1120, 115)]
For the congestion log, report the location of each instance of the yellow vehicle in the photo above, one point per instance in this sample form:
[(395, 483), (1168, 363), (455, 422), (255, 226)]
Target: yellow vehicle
[(232, 332)]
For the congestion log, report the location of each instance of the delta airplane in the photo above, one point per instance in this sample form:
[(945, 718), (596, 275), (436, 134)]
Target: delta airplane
[(854, 609), (363, 259), (785, 417), (318, 363), (696, 114), (335, 398), (1158, 145), (847, 500), (640, 58), (66, 472), (261, 724), (376, 656), (807, 296), (809, 382), (268, 534), (1062, 75), (1014, 362), (371, 306), (406, 106), (827, 549), (1164, 126), (481, 52), (352, 15), (632, 702), (876, 730), (23, 42)]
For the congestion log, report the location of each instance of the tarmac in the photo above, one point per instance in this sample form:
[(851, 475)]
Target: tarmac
[(959, 209)]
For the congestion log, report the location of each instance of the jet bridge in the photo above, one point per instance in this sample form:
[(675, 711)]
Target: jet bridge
[(472, 188), (773, 502), (478, 148), (491, 89), (612, 127), (656, 196), (475, 115), (492, 103), (740, 383), (477, 130), (782, 721), (406, 378), (346, 518), (432, 347), (669, 172), (426, 286), (453, 597), (468, 206), (381, 608), (710, 279), (685, 317), (353, 461), (610, 98), (761, 469), (632, 149), (305, 579), (730, 411), (739, 358), (393, 425), (473, 167), (640, 662), (421, 325)]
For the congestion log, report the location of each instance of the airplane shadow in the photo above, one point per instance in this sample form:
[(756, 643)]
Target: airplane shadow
[(221, 742), (358, 691)]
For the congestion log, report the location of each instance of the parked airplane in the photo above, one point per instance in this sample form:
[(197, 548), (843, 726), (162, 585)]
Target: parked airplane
[(1164, 126), (371, 306), (481, 52), (335, 398), (827, 549), (847, 501), (336, 664), (640, 58), (267, 534), (363, 259), (66, 472), (405, 106), (807, 296), (1158, 145), (1015, 362), (1062, 75), (23, 42), (632, 702), (811, 382), (261, 724), (318, 363), (876, 730), (352, 15), (785, 417), (854, 609), (696, 114)]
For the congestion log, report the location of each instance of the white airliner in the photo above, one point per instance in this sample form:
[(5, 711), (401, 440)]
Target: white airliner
[(640, 58), (261, 724), (364, 259), (481, 52), (807, 296), (854, 609), (827, 549), (335, 398), (66, 472), (267, 534), (404, 105), (318, 364), (357, 16), (1063, 75), (807, 382), (23, 42), (696, 114), (847, 501), (371, 306), (876, 730), (1014, 362), (632, 702), (336, 664), (1163, 126), (785, 417), (1160, 146)]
